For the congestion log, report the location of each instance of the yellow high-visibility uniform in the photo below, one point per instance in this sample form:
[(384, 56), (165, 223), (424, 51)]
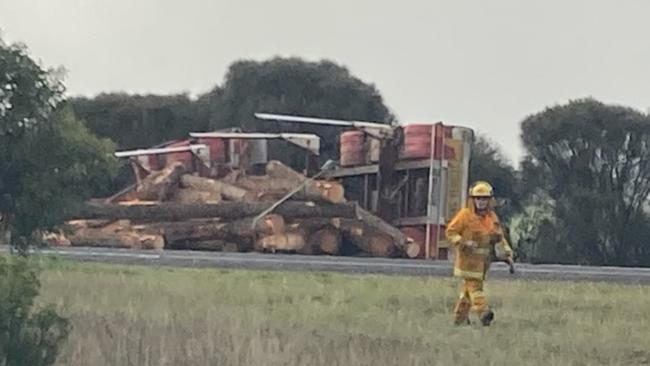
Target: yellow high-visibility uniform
[(471, 264)]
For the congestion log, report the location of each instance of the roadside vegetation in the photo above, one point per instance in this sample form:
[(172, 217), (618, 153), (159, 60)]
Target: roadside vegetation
[(133, 315)]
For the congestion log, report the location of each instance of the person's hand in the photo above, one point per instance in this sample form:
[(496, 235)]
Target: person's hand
[(495, 238), (470, 244), (511, 264)]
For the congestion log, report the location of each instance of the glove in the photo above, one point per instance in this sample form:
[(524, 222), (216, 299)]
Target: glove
[(502, 251), (511, 265), (495, 238), (470, 244)]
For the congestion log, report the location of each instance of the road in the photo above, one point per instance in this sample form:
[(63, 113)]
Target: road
[(353, 265)]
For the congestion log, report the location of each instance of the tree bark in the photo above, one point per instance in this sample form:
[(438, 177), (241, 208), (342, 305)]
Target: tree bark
[(188, 196), (276, 169), (225, 210), (383, 227), (271, 224), (160, 186), (368, 240), (272, 188), (178, 234), (120, 239), (228, 191), (288, 242), (324, 190), (227, 231), (74, 225), (311, 224), (205, 245)]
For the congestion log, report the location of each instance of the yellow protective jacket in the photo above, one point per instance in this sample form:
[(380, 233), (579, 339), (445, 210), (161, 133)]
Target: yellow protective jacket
[(468, 225)]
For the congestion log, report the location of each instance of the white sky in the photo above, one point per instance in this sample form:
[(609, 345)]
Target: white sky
[(482, 64)]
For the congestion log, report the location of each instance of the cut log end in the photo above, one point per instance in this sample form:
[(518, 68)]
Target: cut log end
[(412, 250), (328, 240), (287, 242)]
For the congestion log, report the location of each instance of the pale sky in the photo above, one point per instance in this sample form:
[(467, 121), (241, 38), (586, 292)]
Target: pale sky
[(484, 64)]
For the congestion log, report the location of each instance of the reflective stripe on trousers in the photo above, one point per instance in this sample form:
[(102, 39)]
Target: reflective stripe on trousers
[(468, 274)]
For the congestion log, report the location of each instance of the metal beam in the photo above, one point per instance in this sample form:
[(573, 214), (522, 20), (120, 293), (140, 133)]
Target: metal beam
[(307, 141), (163, 150), (251, 135), (374, 168), (376, 129)]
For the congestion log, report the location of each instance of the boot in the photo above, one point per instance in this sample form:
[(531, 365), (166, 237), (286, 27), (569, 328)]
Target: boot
[(487, 317)]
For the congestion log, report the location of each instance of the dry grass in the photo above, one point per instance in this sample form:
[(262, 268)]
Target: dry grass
[(130, 315)]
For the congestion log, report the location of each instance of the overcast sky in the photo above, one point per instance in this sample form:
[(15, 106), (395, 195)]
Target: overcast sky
[(482, 64)]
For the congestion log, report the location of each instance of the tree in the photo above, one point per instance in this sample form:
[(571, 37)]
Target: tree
[(591, 162), (28, 336), (49, 162), (28, 93), (140, 121), (489, 164), (293, 86)]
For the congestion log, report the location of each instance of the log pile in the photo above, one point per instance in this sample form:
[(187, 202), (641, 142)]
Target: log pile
[(175, 209)]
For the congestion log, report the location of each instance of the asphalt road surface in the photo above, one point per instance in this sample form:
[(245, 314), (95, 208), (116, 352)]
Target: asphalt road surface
[(355, 265)]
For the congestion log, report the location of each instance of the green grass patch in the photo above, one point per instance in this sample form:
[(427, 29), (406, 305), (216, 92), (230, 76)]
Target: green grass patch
[(134, 315)]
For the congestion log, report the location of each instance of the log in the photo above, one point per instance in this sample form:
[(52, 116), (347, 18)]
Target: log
[(226, 210), (312, 224), (368, 240), (289, 242), (382, 245), (159, 227), (115, 226), (412, 249), (161, 185), (186, 195), (276, 169), (235, 231), (136, 202), (327, 240), (271, 188), (323, 235), (74, 225), (124, 239), (383, 227), (86, 238), (228, 191), (105, 226), (57, 239), (271, 224), (332, 191), (329, 191), (204, 245)]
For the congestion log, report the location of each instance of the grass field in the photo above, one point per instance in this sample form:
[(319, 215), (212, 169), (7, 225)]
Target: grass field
[(130, 315)]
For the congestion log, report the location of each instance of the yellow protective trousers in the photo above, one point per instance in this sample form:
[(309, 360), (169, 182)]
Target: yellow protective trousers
[(471, 298)]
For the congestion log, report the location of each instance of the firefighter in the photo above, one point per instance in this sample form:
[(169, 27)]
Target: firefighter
[(475, 233)]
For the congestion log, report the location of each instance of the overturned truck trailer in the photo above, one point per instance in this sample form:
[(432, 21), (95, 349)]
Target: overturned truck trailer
[(206, 192), (413, 176)]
